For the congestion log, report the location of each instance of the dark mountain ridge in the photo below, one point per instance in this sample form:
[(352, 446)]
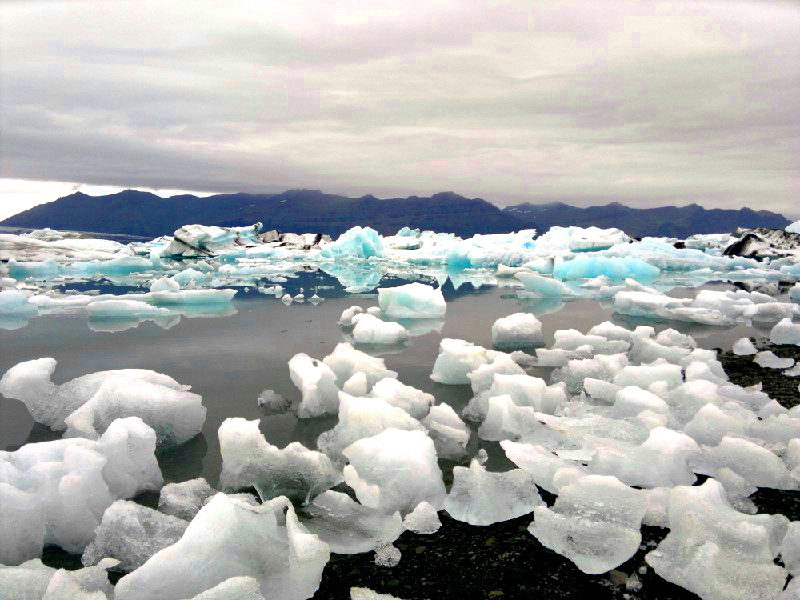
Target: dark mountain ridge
[(145, 214), (668, 221)]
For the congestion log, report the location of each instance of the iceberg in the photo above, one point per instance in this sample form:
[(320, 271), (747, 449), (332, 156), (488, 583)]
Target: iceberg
[(355, 243), (412, 301), (371, 330), (588, 267)]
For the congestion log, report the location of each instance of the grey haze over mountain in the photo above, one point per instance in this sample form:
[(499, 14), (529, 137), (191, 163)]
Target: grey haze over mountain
[(646, 103)]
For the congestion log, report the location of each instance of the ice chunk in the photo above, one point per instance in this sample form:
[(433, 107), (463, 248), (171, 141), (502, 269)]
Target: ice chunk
[(185, 499), (387, 556), (249, 460), (49, 404), (645, 375), (26, 581), (482, 378), (711, 423), (594, 522), (538, 461), (230, 538), (479, 497), (395, 470), (346, 320), (756, 465), (603, 366), (412, 301), (744, 346), (632, 400), (165, 284), (271, 402), (124, 309), (456, 360), (15, 302), (586, 267), (543, 286), (175, 415), (785, 332), (415, 402), (357, 242), (716, 551), (345, 361), (371, 330), (359, 593), (235, 588), (790, 548), (449, 433), (132, 533), (767, 359), (505, 420), (423, 519), (571, 339), (361, 418), (68, 484), (524, 391), (357, 385), (517, 331), (317, 384), (348, 527)]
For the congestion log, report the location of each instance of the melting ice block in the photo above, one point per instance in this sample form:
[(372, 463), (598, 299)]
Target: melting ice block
[(785, 332), (346, 320), (132, 533), (345, 361), (769, 360), (449, 433), (248, 460), (456, 359), (357, 242), (617, 268), (57, 492), (594, 522), (235, 588), (371, 330), (415, 402), (395, 470), (412, 301), (517, 331), (543, 286), (175, 415), (716, 551), (360, 593), (479, 497), (124, 309), (423, 519), (184, 500), (348, 527), (743, 347), (49, 404), (317, 384), (33, 580), (231, 538), (361, 418), (15, 302)]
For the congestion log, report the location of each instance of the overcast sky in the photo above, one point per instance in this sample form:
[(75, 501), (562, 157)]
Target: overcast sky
[(645, 103)]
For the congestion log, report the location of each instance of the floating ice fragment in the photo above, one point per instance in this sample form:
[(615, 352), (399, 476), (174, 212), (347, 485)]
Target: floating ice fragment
[(412, 301), (543, 286), (449, 433), (317, 384), (371, 330), (184, 500), (517, 331)]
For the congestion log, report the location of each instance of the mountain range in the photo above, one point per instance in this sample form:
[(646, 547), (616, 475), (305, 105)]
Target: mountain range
[(140, 213)]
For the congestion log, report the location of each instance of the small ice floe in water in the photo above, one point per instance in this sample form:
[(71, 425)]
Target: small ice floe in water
[(517, 331), (286, 299), (412, 301), (185, 499), (371, 330), (272, 403), (744, 347), (767, 359), (387, 556), (316, 299), (785, 332), (346, 320)]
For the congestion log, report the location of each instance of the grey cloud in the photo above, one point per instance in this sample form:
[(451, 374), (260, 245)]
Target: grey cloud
[(586, 103)]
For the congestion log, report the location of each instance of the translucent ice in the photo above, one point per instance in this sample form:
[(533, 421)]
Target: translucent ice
[(543, 286), (768, 359), (230, 538), (345, 361), (520, 330), (395, 470), (423, 519), (132, 533), (248, 460), (415, 402), (348, 527), (412, 301), (785, 332), (317, 384), (449, 433), (456, 360), (356, 242), (586, 267), (744, 346), (235, 588), (479, 497), (184, 500), (371, 330)]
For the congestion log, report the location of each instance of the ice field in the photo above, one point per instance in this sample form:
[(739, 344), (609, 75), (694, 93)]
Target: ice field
[(238, 406)]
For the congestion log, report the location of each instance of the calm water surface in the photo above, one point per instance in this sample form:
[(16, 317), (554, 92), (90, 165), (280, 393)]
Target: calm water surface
[(229, 360)]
